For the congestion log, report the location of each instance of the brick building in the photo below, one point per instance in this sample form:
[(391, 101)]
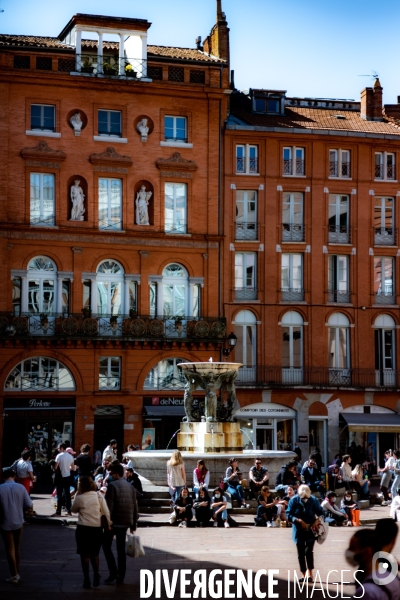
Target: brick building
[(312, 271), (110, 230)]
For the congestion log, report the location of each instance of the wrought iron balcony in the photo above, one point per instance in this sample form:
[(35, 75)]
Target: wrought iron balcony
[(337, 169), (387, 297), (241, 165), (339, 234), (385, 236), (339, 296), (380, 171), (96, 326), (245, 293), (175, 226), (109, 383), (296, 168), (293, 232), (292, 294), (111, 66), (246, 231), (317, 377), (33, 382)]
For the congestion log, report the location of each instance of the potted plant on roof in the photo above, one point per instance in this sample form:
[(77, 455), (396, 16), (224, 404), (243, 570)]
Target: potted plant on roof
[(129, 72), (109, 69), (87, 65)]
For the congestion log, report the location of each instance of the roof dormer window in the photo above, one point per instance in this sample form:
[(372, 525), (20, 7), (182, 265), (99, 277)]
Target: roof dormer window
[(268, 105)]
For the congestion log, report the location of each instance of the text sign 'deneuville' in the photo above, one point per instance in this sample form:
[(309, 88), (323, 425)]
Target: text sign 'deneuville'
[(164, 402)]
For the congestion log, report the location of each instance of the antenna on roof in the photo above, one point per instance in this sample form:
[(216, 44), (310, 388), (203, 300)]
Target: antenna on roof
[(373, 74)]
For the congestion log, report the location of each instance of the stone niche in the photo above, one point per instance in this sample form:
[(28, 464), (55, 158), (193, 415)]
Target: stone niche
[(150, 208), (84, 186)]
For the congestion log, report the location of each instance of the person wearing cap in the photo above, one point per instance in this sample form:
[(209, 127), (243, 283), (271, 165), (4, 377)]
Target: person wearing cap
[(14, 499), (65, 464)]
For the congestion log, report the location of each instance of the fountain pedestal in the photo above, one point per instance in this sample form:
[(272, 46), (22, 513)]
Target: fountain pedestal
[(208, 437)]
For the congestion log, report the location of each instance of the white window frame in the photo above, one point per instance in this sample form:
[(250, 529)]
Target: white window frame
[(246, 320), (383, 165), (290, 270), (291, 168), (338, 288), (113, 381), (339, 154), (110, 226), (174, 128), (337, 236), (110, 278), (243, 266), (42, 127), (30, 382), (246, 229), (383, 291), (109, 134), (248, 168), (339, 322), (177, 227), (42, 221), (292, 231)]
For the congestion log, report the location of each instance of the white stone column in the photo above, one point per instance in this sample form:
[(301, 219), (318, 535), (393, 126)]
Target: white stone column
[(24, 294), (78, 50), (121, 69), (59, 295), (160, 300), (100, 52), (125, 310), (190, 299), (142, 70), (93, 296)]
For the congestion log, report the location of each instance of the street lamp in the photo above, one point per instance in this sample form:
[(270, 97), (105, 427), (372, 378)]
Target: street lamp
[(231, 339)]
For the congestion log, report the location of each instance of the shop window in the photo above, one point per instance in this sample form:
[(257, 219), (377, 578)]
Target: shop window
[(40, 373), (166, 375)]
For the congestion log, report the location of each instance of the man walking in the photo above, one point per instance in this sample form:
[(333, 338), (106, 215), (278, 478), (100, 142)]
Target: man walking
[(121, 501), (64, 463), (14, 500)]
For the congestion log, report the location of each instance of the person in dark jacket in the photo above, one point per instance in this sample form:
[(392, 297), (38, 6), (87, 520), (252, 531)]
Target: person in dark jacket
[(121, 501), (202, 508), (287, 476), (183, 508), (133, 478), (303, 512), (312, 477)]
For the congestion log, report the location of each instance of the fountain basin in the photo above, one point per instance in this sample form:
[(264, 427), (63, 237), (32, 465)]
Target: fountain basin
[(203, 368), (209, 437)]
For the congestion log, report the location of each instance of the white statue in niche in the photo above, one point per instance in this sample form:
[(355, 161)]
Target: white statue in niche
[(142, 203), (143, 129), (76, 123), (77, 197)]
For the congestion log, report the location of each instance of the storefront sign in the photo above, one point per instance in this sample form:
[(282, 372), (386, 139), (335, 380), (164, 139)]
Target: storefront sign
[(303, 439), (163, 402), (266, 409), (38, 403)]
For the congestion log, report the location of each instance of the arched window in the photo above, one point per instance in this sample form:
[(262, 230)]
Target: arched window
[(166, 375), (384, 326), (339, 346), (176, 295), (292, 347), (42, 285), (246, 345), (40, 373), (110, 282)]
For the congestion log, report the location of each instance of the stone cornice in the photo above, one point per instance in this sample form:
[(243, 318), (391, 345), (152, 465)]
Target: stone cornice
[(43, 152), (110, 157), (176, 162)]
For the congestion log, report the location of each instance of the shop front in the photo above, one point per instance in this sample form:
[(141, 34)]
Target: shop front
[(162, 419), (39, 424), (267, 426)]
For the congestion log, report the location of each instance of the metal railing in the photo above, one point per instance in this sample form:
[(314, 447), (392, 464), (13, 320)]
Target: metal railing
[(91, 326), (246, 293), (246, 231), (293, 232), (317, 377), (339, 234), (385, 298), (171, 226), (380, 171), (337, 169), (111, 66), (293, 168), (292, 294), (385, 236), (339, 296), (33, 382), (109, 383), (241, 165)]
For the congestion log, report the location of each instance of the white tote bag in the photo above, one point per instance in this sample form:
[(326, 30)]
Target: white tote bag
[(133, 546)]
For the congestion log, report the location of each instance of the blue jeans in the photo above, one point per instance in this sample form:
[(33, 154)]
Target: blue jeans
[(222, 515), (395, 486), (196, 489), (236, 492), (175, 495)]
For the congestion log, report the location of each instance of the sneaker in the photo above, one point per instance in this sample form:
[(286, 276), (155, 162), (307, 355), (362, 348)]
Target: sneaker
[(180, 525), (269, 524), (349, 524), (14, 579), (226, 524), (184, 524), (245, 506), (215, 524), (273, 524)]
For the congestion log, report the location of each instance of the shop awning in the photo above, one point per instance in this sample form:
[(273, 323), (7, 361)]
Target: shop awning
[(374, 422), (164, 411)]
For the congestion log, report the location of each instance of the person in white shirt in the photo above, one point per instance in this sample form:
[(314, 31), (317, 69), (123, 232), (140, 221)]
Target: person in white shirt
[(111, 450), (386, 476), (65, 464)]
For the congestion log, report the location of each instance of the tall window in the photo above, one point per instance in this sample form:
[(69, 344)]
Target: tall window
[(384, 327), (166, 375), (338, 278), (339, 219), (384, 280), (42, 280), (246, 215), (175, 291), (246, 345), (385, 233), (292, 277), (245, 276), (338, 348), (110, 285), (43, 117), (110, 373), (175, 208), (110, 204), (293, 161), (246, 158), (110, 123), (292, 347), (292, 217), (339, 163), (40, 373), (42, 199), (175, 129), (385, 167)]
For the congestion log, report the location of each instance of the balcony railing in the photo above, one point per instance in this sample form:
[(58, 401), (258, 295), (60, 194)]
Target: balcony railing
[(380, 172), (385, 236), (385, 298), (109, 383), (32, 382), (245, 293), (292, 294), (241, 165), (111, 66), (337, 169), (96, 326), (339, 234), (293, 232), (293, 169), (176, 226), (317, 377), (339, 296), (246, 231)]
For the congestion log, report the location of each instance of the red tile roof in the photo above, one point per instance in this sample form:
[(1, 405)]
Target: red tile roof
[(35, 41)]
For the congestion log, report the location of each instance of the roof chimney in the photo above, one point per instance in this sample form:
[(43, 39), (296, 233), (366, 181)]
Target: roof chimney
[(371, 102), (217, 43)]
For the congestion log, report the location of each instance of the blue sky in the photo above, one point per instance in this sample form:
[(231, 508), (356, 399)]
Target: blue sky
[(307, 47)]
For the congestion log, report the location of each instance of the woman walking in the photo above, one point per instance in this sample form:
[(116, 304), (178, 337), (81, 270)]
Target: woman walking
[(303, 511), (90, 506), (176, 475)]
